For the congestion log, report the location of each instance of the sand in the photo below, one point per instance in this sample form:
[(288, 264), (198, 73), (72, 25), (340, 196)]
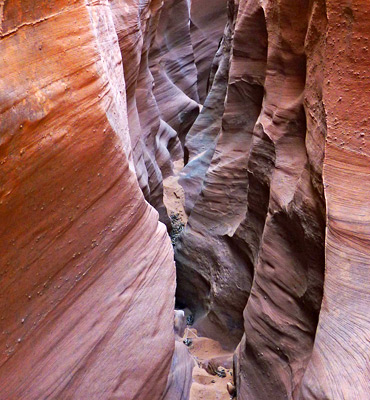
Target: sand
[(207, 386), (173, 193)]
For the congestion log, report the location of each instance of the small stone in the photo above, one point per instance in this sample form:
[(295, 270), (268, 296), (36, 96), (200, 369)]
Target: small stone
[(221, 373), (231, 389)]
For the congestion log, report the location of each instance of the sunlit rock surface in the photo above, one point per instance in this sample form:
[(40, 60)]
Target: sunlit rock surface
[(266, 103), (87, 273)]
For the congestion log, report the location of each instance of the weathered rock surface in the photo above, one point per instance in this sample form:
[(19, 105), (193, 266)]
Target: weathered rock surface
[(161, 77), (135, 26), (96, 101), (87, 273), (162, 97), (180, 378), (173, 68), (207, 22), (251, 260), (202, 138), (100, 102), (340, 367), (281, 314), (211, 254)]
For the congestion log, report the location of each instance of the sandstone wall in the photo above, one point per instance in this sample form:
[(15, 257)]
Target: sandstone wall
[(272, 224), (207, 22), (87, 273), (158, 105), (339, 366), (97, 100)]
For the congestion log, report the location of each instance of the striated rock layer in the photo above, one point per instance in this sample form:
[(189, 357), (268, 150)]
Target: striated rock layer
[(160, 110), (272, 224), (339, 365), (162, 62), (98, 101), (207, 22), (281, 314), (87, 273), (201, 139)]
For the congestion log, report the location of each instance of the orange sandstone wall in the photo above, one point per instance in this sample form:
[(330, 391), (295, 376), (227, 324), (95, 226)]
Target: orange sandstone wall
[(339, 366), (87, 274), (97, 100)]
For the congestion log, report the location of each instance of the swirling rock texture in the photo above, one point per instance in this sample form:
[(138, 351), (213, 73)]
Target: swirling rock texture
[(276, 249), (98, 100), (87, 272), (207, 23), (340, 364), (173, 68), (161, 73), (135, 25), (162, 97), (209, 252), (201, 139)]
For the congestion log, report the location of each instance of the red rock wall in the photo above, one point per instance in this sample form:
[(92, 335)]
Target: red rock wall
[(218, 248), (339, 366), (135, 26), (162, 61), (273, 225), (201, 139), (173, 67), (207, 22), (96, 102), (87, 273), (281, 314), (155, 143)]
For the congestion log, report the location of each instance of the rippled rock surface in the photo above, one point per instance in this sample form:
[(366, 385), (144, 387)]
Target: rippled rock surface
[(274, 255), (265, 102), (87, 273)]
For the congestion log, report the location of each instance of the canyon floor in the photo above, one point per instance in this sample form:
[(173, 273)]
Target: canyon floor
[(207, 386), (205, 351)]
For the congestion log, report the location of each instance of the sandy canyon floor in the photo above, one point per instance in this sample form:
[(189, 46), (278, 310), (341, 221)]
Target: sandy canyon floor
[(205, 351)]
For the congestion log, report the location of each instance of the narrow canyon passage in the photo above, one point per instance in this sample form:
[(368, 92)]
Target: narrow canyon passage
[(250, 262), (184, 203)]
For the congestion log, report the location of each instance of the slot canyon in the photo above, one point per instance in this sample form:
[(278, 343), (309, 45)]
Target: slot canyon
[(185, 199)]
